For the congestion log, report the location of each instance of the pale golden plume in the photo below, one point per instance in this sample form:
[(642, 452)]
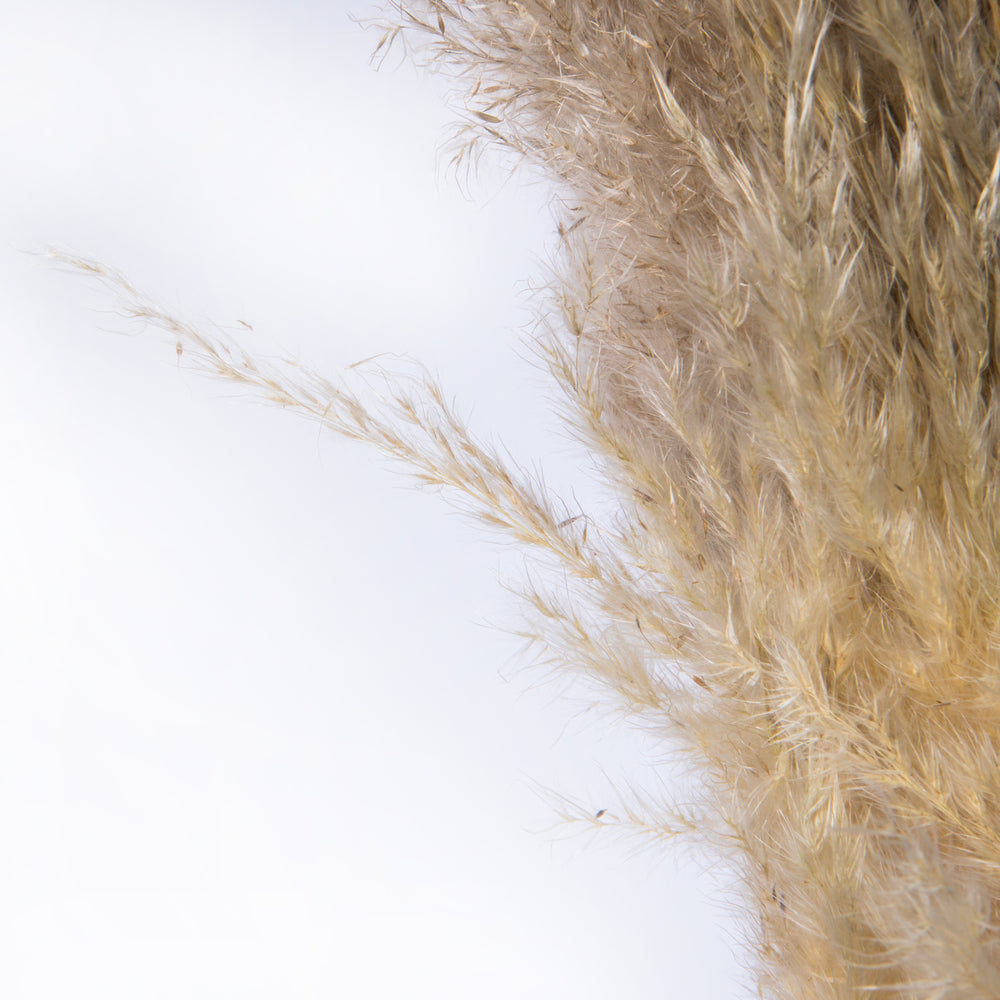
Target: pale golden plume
[(776, 322)]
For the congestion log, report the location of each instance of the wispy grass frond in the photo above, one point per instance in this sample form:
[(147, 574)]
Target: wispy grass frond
[(776, 322)]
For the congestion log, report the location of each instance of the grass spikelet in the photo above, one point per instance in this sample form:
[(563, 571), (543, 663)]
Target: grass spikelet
[(776, 322)]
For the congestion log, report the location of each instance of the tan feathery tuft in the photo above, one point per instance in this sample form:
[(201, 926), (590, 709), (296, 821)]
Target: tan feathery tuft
[(776, 322)]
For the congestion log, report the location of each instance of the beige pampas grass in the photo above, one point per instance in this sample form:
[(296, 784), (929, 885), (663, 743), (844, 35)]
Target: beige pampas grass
[(776, 322)]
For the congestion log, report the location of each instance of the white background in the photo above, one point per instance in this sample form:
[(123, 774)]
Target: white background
[(257, 739)]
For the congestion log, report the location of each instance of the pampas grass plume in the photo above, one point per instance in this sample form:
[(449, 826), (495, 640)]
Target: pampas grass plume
[(776, 323)]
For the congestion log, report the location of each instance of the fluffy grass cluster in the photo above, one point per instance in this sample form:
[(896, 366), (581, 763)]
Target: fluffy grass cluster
[(776, 322)]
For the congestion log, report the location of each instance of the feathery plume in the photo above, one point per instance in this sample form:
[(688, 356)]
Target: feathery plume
[(776, 322)]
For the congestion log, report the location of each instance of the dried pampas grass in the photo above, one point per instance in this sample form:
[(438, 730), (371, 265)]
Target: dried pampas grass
[(776, 322)]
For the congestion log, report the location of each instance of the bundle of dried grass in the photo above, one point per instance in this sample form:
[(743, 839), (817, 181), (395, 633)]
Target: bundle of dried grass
[(779, 327)]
